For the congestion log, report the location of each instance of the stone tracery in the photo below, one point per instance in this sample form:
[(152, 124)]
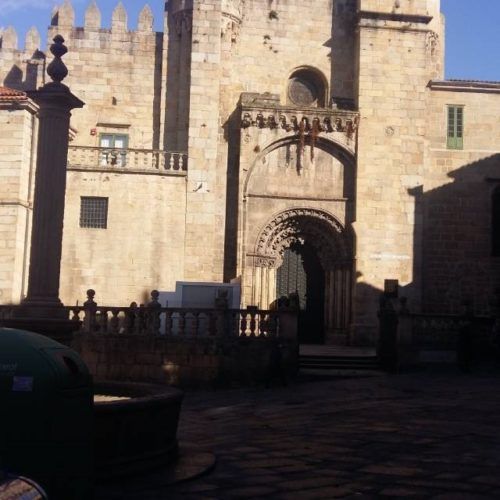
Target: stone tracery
[(319, 228)]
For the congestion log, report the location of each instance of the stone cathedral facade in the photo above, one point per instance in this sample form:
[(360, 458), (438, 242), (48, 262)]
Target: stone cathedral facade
[(292, 146)]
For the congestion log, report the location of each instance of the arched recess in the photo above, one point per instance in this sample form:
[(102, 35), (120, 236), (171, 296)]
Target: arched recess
[(333, 244), (307, 87), (336, 149)]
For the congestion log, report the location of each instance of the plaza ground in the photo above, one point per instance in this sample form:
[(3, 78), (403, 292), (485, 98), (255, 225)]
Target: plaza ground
[(422, 435)]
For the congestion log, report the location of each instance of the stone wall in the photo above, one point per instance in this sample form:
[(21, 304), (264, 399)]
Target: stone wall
[(116, 72), (17, 145), (456, 201), (187, 363), (119, 74), (396, 62), (141, 249)]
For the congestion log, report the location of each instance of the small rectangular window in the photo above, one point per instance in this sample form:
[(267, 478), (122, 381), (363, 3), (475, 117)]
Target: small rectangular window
[(113, 149), (455, 127), (94, 212)]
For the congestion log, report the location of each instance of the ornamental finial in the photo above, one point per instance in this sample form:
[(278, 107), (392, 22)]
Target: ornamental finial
[(57, 70)]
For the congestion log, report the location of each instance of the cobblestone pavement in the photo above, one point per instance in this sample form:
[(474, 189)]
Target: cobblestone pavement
[(417, 436)]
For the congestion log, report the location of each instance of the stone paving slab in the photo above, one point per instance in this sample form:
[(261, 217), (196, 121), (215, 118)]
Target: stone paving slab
[(407, 436)]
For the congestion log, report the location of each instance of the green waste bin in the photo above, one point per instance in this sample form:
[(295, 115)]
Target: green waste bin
[(46, 414)]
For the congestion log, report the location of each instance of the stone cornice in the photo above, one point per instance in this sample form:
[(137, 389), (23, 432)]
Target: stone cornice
[(394, 16), (25, 105), (265, 111), (465, 86)]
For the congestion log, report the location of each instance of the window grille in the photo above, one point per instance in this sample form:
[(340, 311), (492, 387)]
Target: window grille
[(94, 212), (455, 127)]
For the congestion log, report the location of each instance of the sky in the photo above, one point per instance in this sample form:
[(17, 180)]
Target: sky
[(472, 34)]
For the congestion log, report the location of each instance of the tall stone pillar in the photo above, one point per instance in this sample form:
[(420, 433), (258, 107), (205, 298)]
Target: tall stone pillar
[(56, 102), (42, 311)]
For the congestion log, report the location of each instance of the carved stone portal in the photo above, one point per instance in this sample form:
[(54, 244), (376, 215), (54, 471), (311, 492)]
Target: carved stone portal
[(321, 229), (333, 246)]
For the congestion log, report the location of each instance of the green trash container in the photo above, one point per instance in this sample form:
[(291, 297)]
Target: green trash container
[(46, 414)]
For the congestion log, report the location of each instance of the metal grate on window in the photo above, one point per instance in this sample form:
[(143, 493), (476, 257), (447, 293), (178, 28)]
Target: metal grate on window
[(94, 212)]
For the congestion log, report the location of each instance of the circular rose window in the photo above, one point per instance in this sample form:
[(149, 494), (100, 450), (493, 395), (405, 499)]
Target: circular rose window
[(306, 89)]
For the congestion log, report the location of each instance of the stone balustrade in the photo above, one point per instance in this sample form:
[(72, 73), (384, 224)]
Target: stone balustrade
[(142, 160), (153, 319), (175, 321)]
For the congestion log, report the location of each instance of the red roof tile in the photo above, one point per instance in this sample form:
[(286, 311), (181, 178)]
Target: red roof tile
[(11, 95)]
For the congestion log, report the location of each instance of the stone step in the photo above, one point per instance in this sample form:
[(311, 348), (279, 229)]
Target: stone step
[(318, 372), (337, 360), (344, 359), (334, 365)]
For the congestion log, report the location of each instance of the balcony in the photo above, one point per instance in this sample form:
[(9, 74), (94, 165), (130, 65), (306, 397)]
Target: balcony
[(127, 160)]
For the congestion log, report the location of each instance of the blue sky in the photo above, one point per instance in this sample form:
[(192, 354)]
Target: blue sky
[(472, 37)]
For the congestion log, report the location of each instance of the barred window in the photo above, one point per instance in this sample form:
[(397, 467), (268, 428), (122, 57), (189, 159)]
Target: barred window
[(94, 212)]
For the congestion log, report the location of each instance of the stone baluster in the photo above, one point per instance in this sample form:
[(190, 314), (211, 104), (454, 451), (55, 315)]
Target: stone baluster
[(114, 321), (90, 309), (168, 323), (196, 323), (213, 318), (272, 325), (141, 320), (103, 320), (75, 311), (171, 165), (130, 318), (253, 323), (153, 314), (262, 324), (243, 324), (182, 322)]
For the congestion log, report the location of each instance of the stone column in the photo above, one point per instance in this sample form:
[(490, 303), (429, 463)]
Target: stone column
[(56, 102)]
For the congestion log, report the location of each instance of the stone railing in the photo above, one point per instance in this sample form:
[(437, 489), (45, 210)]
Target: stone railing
[(153, 319), (176, 321), (141, 160)]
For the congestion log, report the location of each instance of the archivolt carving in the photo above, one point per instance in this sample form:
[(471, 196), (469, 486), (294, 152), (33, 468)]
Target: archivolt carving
[(318, 228)]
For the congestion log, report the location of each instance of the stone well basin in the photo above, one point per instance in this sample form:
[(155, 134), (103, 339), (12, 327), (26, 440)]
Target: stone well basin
[(135, 427)]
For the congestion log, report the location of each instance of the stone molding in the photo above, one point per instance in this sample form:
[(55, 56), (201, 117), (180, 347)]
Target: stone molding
[(264, 112), (318, 227)]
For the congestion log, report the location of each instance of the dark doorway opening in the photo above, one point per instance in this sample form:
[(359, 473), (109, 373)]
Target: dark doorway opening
[(302, 274)]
